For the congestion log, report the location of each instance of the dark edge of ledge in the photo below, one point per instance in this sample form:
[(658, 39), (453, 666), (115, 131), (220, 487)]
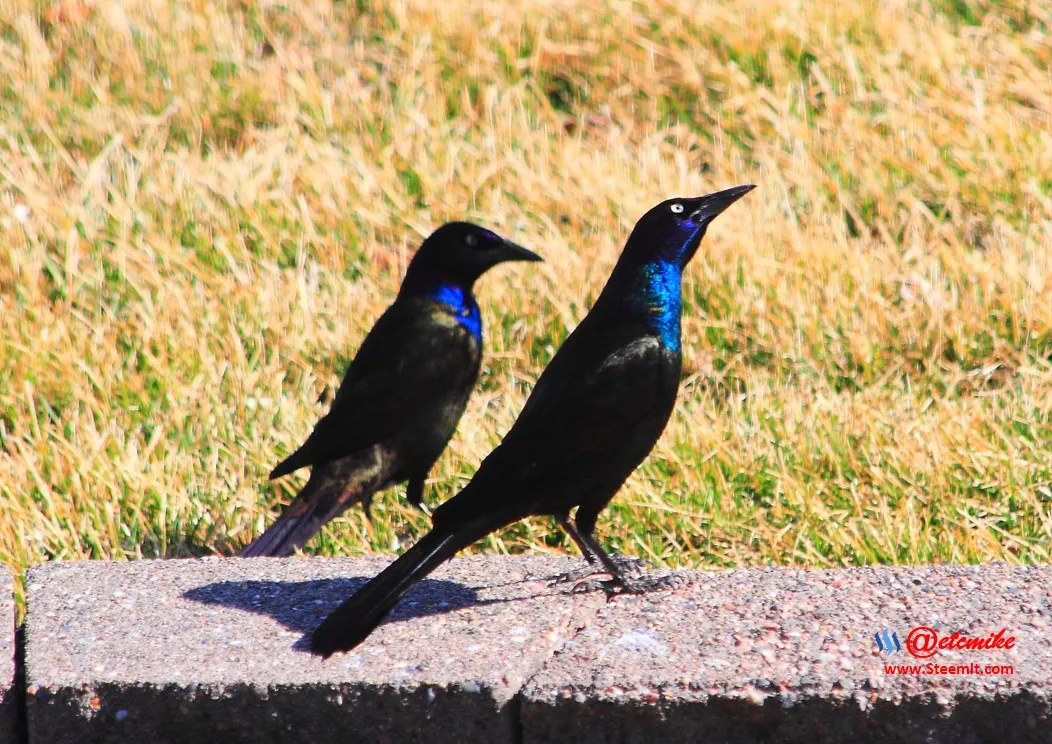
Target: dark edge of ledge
[(1022, 718), (13, 724), (17, 694)]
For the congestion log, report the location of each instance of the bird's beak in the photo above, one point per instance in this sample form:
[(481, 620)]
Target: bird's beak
[(711, 206), (514, 252)]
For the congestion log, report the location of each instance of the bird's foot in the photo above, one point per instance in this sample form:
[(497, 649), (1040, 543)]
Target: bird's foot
[(651, 583), (594, 585), (636, 585), (627, 564)]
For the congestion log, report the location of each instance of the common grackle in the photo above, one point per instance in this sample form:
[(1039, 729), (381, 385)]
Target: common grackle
[(403, 393), (593, 416)]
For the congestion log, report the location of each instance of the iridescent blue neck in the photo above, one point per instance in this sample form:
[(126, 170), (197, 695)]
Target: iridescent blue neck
[(659, 296), (463, 305)]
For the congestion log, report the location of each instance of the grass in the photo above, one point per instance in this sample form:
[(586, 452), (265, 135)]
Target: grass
[(204, 206)]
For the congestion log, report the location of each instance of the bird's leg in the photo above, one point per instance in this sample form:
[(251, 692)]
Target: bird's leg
[(367, 507), (615, 566), (617, 574), (585, 571), (414, 492), (588, 549)]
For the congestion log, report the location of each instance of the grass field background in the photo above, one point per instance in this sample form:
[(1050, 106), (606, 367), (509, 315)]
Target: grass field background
[(204, 207)]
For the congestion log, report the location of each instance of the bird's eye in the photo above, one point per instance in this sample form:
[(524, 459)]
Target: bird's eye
[(676, 208), (471, 240)]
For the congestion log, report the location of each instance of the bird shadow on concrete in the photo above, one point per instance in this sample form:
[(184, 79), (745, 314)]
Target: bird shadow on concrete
[(301, 605)]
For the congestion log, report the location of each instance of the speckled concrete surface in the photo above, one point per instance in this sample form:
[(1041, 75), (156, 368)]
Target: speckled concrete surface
[(9, 698), (212, 650), (783, 655), (486, 650)]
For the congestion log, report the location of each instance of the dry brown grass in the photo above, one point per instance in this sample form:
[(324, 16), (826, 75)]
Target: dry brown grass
[(204, 207)]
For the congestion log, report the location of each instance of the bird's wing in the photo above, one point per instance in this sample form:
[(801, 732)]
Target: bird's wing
[(587, 403), (414, 360)]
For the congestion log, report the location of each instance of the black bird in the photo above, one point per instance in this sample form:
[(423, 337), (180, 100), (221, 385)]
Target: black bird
[(593, 416), (403, 393)]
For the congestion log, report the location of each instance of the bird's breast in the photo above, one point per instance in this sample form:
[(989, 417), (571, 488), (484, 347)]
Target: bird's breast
[(471, 319)]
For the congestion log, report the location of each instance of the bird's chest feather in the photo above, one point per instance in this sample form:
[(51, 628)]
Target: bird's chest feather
[(659, 297), (462, 307)]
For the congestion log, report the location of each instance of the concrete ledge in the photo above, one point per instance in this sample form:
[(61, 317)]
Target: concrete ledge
[(486, 650), (788, 655), (191, 651)]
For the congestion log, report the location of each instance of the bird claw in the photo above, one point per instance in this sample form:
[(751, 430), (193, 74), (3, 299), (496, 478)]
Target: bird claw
[(576, 575), (592, 585), (637, 585), (646, 584), (627, 563)]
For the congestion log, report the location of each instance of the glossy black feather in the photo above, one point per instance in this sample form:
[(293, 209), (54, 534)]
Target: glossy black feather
[(412, 377), (402, 395), (593, 416)]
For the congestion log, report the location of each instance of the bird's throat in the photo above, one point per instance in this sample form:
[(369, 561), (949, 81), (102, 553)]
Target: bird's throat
[(660, 298), (463, 305)]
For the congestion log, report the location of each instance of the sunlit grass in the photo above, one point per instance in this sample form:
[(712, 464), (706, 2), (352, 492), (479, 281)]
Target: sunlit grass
[(205, 206)]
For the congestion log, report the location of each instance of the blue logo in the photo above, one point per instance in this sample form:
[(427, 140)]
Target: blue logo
[(887, 641)]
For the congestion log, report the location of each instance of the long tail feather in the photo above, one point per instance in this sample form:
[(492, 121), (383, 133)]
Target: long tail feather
[(293, 462), (291, 530), (353, 621), (332, 489)]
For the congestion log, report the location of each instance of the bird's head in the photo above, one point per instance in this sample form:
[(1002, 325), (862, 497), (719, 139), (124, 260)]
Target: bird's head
[(672, 231), (461, 252)]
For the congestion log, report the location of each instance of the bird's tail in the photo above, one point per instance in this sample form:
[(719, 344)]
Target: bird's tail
[(332, 488), (298, 459), (353, 621), (296, 525)]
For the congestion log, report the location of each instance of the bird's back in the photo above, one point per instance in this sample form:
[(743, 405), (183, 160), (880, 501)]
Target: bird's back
[(406, 388), (593, 416)]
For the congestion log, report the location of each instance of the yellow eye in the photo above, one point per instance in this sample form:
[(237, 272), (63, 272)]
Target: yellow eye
[(676, 208)]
